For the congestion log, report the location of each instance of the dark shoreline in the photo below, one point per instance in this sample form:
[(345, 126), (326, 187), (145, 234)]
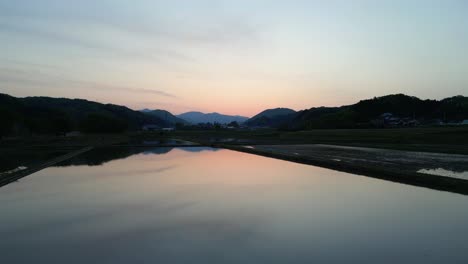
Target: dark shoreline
[(434, 182), (15, 176), (23, 173)]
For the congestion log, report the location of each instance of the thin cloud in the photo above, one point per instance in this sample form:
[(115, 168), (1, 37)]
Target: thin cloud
[(101, 86), (22, 78), (153, 54), (219, 33), (4, 61), (134, 90)]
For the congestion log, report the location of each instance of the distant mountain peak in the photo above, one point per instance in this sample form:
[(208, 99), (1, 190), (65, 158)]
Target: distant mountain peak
[(271, 117), (196, 117), (164, 115), (274, 112)]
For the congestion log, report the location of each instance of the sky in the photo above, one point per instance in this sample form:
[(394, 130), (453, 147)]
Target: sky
[(233, 57)]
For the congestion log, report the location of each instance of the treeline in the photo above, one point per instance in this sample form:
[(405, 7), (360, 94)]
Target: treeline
[(45, 115), (207, 126), (368, 113)]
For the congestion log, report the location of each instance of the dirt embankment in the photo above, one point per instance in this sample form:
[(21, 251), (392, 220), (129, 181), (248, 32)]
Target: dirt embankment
[(393, 165)]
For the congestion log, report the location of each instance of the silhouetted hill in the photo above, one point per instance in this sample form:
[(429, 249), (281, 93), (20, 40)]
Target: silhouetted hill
[(164, 115), (454, 108), (46, 115), (271, 117), (199, 117), (398, 109)]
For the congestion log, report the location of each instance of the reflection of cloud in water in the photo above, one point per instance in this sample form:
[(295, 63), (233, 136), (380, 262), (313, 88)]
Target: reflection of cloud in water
[(143, 171), (96, 217)]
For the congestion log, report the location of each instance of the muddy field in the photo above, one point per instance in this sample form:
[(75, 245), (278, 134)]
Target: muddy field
[(433, 170), (396, 159)]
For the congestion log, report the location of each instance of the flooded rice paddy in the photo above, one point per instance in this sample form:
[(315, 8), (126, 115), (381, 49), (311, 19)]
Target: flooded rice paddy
[(205, 205)]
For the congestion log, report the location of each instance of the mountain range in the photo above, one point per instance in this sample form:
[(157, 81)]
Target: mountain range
[(199, 117), (46, 115), (403, 109), (165, 115)]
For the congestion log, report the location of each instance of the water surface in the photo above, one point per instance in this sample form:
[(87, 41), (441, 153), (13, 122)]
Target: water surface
[(202, 205)]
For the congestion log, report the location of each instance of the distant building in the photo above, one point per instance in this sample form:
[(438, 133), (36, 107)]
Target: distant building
[(390, 120), (168, 129), (149, 127), (464, 122)]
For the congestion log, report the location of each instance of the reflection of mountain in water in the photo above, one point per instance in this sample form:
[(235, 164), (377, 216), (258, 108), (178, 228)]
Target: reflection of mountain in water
[(156, 151), (198, 149), (100, 156), (164, 150)]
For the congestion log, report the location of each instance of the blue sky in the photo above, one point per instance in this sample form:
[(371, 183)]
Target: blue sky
[(236, 57)]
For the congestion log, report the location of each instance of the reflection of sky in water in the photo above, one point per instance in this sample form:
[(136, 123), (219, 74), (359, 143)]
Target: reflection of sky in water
[(225, 207), (165, 150)]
